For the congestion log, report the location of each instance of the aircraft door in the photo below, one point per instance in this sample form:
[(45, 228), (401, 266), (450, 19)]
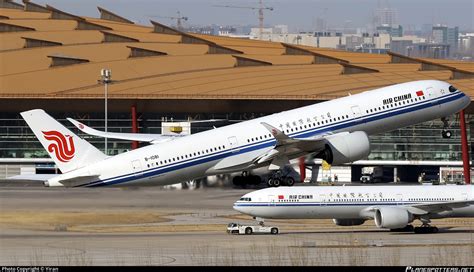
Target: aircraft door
[(323, 199), (233, 143), (356, 113), (271, 200), (431, 95), (399, 199), (137, 167)]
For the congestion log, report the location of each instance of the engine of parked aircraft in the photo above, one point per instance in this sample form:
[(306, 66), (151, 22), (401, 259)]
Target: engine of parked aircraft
[(345, 147), (349, 222), (392, 217)]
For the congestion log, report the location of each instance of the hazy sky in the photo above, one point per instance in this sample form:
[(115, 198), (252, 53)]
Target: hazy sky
[(298, 14)]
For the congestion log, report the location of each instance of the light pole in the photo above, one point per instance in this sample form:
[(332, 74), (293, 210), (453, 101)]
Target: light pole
[(106, 78)]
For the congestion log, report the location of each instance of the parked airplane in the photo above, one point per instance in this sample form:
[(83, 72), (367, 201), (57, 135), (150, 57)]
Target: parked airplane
[(391, 207), (336, 131)]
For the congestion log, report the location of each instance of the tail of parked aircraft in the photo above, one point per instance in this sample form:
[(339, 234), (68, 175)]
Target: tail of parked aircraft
[(68, 151)]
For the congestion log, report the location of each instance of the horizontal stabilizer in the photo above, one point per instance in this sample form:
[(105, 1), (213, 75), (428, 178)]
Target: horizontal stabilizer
[(76, 181)]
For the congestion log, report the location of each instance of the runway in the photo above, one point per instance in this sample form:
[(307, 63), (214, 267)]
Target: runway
[(151, 226)]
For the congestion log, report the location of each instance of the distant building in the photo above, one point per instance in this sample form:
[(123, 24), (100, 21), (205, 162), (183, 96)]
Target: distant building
[(391, 30), (445, 35), (386, 16), (405, 45), (375, 43), (320, 24), (432, 50), (280, 29), (466, 44)]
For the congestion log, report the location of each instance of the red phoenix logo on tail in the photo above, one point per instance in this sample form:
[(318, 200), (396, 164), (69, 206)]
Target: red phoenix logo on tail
[(62, 146)]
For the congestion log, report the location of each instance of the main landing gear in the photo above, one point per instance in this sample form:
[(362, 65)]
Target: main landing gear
[(446, 133), (426, 227), (277, 178)]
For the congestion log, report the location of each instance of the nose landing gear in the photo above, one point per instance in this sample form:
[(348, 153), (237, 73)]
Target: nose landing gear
[(446, 133)]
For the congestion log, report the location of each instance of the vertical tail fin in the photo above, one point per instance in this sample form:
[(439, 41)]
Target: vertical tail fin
[(68, 151)]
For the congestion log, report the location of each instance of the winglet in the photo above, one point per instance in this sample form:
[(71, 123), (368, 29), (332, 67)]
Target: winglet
[(83, 128)]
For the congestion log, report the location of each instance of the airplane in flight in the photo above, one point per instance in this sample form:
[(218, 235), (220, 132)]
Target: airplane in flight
[(335, 131), (391, 207)]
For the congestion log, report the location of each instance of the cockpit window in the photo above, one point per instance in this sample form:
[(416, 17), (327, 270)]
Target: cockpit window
[(452, 89), (245, 199)]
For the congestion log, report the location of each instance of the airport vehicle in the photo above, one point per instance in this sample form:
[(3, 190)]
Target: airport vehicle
[(429, 176), (392, 207), (234, 228), (376, 174), (336, 131)]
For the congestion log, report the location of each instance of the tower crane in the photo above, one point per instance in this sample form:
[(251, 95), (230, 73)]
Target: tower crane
[(178, 19), (260, 9)]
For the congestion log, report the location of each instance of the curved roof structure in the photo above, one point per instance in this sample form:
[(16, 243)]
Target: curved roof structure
[(48, 53)]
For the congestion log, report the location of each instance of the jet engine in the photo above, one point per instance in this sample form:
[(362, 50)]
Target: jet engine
[(345, 147), (348, 222), (392, 217)]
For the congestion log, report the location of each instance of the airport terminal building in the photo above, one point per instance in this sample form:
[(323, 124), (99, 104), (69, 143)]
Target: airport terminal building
[(51, 59)]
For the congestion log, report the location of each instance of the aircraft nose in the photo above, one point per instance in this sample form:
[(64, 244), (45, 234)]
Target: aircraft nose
[(467, 100), (237, 207)]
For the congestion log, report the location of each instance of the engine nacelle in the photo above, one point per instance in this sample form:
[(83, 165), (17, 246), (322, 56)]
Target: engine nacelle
[(392, 218), (345, 147), (349, 222)]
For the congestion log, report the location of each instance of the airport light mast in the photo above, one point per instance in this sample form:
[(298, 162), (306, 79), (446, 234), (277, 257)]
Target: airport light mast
[(106, 78)]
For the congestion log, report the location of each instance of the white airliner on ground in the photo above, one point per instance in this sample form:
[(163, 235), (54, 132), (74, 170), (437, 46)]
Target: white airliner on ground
[(336, 131), (392, 207)]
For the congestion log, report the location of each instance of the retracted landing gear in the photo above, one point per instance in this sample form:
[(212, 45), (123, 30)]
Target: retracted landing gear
[(277, 178), (446, 133)]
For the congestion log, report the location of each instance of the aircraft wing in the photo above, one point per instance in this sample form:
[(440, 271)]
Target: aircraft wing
[(438, 207), (287, 146), (141, 137)]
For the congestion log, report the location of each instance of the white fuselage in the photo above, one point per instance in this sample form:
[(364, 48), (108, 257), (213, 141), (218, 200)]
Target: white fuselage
[(350, 202), (197, 155)]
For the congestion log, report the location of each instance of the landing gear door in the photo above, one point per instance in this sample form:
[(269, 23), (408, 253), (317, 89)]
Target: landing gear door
[(137, 167), (233, 143)]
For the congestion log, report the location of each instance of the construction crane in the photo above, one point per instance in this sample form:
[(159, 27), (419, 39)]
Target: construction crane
[(260, 9), (178, 19)]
